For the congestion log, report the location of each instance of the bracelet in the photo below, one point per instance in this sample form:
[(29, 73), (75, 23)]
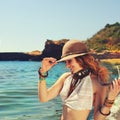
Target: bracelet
[(42, 75), (41, 79), (108, 103), (104, 114)]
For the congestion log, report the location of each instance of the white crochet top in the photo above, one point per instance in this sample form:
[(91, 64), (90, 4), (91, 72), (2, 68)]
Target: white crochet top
[(82, 96)]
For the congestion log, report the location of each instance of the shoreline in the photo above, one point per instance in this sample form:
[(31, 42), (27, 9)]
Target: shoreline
[(112, 61)]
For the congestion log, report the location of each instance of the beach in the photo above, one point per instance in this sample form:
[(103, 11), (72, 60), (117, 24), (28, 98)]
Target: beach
[(112, 61)]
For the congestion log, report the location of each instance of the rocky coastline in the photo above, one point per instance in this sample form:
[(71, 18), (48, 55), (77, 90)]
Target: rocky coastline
[(51, 49)]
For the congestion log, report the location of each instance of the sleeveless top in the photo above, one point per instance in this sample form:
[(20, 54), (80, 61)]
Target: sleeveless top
[(82, 96)]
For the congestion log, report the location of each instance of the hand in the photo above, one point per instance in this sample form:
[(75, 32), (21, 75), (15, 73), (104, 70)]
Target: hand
[(48, 63), (114, 89)]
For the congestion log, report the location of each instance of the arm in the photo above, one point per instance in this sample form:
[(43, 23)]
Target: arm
[(44, 93), (100, 96), (48, 94), (102, 108)]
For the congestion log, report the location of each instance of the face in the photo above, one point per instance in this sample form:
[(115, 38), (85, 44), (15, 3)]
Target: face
[(73, 65)]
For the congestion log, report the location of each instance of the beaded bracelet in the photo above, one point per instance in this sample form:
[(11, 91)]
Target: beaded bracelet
[(104, 114), (108, 103)]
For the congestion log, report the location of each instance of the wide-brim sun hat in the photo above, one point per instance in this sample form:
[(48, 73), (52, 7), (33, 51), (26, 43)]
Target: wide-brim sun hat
[(72, 49)]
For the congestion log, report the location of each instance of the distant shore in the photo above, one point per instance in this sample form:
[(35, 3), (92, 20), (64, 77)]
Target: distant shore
[(52, 51), (112, 61)]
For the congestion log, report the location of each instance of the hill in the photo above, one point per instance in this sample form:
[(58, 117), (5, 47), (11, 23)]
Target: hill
[(107, 39), (105, 44)]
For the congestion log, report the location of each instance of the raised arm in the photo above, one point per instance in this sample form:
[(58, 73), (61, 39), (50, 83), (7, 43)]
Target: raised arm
[(45, 94), (103, 109), (50, 93)]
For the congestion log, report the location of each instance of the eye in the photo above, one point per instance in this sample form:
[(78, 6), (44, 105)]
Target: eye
[(68, 61)]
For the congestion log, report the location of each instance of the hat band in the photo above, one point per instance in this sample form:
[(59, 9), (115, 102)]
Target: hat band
[(72, 54)]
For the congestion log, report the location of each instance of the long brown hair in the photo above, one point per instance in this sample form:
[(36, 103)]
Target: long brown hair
[(88, 61)]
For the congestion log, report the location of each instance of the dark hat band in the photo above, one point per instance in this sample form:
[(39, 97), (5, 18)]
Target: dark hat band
[(71, 53)]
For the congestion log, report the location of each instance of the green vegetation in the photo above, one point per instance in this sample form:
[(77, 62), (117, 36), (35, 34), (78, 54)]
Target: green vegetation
[(107, 39)]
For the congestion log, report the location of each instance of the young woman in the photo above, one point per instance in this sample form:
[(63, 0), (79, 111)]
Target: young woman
[(83, 88)]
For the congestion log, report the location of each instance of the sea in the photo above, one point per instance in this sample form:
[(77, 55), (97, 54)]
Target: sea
[(19, 92)]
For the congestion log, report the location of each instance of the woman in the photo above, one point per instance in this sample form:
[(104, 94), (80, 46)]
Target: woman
[(83, 88)]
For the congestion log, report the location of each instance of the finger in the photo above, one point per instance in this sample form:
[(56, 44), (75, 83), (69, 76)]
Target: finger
[(52, 61), (119, 82), (116, 84), (113, 84)]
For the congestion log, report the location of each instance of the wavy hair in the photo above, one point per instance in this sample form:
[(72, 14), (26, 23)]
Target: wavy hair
[(88, 61)]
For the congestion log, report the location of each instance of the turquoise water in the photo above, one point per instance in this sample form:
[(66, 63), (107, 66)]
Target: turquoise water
[(18, 92)]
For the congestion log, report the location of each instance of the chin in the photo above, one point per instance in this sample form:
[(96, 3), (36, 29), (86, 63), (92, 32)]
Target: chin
[(72, 72)]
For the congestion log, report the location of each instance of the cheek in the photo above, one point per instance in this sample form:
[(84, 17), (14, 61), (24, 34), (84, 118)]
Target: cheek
[(78, 66)]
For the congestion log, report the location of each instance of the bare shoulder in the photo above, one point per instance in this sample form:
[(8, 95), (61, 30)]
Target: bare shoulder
[(94, 80), (96, 85), (64, 76)]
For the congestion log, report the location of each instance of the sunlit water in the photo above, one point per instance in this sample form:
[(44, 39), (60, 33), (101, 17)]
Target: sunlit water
[(18, 92)]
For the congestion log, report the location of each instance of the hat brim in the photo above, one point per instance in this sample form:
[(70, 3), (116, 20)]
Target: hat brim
[(70, 57)]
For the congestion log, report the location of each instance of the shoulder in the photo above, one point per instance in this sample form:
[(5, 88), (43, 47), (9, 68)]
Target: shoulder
[(63, 77), (97, 87)]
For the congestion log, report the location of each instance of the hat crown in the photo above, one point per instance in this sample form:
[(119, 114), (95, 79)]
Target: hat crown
[(74, 47)]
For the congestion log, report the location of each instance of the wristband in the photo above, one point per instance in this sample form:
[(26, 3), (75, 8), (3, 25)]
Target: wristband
[(104, 114), (108, 103), (42, 75)]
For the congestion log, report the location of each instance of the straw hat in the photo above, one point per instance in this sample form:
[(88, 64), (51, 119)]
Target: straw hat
[(72, 49)]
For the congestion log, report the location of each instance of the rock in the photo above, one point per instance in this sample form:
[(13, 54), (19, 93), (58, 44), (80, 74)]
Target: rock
[(52, 49), (35, 52), (16, 56)]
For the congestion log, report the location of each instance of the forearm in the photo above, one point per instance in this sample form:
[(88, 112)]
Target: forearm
[(104, 111), (42, 88), (42, 91)]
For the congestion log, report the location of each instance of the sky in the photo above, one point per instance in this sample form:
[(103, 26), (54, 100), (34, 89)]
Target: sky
[(25, 25)]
